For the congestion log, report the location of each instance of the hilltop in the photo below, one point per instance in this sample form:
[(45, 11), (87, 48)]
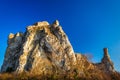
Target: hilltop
[(45, 51)]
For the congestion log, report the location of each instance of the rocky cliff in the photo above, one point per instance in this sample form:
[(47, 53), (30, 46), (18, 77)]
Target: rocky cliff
[(46, 48)]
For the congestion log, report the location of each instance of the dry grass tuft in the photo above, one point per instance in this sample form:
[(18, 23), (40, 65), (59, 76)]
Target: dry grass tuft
[(72, 75)]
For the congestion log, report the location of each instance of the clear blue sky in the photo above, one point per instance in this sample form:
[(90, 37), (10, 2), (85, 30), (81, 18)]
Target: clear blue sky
[(90, 25)]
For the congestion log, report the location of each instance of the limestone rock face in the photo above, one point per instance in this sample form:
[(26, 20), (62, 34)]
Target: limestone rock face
[(45, 48), (106, 63), (42, 46)]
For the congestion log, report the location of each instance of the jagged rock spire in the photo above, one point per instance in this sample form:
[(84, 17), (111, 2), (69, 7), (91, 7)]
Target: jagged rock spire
[(106, 55), (107, 61), (41, 46), (55, 23), (44, 48)]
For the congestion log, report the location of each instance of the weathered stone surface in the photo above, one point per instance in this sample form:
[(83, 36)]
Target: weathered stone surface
[(42, 45), (46, 48), (106, 63)]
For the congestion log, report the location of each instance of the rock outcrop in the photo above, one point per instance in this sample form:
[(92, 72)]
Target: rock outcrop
[(43, 45), (44, 48), (106, 64)]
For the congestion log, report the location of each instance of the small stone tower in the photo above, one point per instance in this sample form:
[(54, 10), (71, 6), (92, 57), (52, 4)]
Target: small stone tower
[(108, 64)]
